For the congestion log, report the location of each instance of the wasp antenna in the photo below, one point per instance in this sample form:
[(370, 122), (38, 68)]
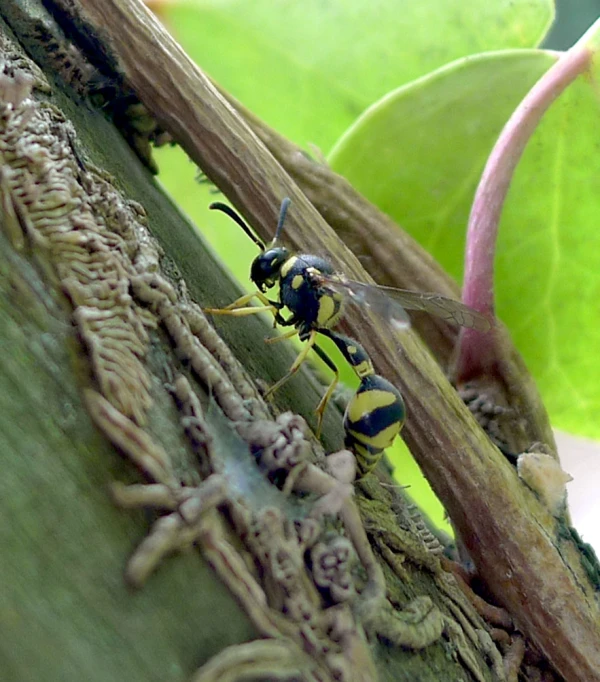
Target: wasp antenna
[(282, 214), (219, 206)]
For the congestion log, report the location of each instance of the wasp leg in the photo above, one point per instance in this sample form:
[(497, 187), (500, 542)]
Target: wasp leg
[(310, 342), (242, 312), (282, 337), (320, 411), (238, 307)]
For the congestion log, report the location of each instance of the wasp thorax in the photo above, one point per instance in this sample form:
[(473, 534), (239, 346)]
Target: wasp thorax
[(266, 266)]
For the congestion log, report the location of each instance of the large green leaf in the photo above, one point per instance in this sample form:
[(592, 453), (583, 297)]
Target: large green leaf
[(419, 154), (310, 68)]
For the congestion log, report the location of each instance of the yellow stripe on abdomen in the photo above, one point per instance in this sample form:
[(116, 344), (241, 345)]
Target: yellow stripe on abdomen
[(364, 403), (381, 440)]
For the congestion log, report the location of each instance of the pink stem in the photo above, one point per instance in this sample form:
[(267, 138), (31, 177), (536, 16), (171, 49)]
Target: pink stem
[(476, 349)]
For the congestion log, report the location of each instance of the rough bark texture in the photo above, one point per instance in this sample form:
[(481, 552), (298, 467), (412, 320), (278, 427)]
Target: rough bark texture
[(66, 610), (546, 591)]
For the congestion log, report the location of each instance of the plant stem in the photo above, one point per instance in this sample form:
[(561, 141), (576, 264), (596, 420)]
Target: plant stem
[(477, 350)]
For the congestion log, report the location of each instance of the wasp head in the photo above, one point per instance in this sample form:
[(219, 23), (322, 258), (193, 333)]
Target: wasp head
[(267, 266)]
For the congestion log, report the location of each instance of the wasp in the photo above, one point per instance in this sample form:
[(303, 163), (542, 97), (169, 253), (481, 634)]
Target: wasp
[(315, 296)]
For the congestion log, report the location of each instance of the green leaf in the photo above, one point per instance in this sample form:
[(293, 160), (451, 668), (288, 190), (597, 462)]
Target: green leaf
[(549, 260), (419, 153), (310, 68)]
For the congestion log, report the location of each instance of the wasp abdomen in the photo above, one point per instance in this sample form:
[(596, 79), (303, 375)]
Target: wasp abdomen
[(354, 353), (373, 419)]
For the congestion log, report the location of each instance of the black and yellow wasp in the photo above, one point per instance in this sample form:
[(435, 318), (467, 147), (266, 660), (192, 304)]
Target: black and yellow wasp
[(316, 296)]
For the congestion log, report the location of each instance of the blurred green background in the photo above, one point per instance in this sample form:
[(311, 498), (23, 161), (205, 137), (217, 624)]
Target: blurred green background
[(310, 69)]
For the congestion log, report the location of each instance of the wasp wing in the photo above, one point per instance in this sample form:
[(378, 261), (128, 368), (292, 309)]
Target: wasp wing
[(391, 303), (448, 309), (369, 296)]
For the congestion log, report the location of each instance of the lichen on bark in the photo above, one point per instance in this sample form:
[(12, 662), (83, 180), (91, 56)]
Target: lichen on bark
[(145, 367)]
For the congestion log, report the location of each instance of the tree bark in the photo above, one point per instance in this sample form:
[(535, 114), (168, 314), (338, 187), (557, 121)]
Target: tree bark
[(100, 330)]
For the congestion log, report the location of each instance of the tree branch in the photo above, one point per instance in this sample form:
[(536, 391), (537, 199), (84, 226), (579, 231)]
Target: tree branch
[(509, 535)]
